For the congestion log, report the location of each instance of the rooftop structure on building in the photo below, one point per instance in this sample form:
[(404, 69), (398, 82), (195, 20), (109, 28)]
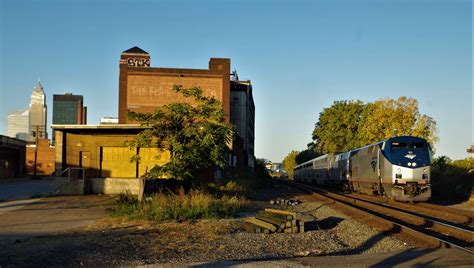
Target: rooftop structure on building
[(108, 120)]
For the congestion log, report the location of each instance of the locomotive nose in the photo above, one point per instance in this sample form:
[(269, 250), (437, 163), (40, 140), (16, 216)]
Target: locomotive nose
[(403, 174)]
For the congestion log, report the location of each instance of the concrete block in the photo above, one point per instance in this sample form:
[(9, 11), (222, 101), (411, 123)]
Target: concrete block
[(113, 186), (68, 186)]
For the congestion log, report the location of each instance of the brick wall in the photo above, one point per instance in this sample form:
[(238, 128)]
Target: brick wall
[(45, 161), (143, 89)]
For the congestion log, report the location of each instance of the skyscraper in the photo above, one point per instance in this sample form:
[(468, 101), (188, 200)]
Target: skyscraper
[(69, 109), (38, 111), (18, 125)]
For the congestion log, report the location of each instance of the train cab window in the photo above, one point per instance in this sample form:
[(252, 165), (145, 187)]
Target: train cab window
[(417, 145), (398, 145)]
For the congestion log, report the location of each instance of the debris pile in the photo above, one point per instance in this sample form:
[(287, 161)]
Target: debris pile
[(285, 202), (274, 221)]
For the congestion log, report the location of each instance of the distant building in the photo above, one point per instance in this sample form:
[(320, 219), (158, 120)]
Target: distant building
[(242, 116), (37, 114), (108, 120), (12, 157), (18, 125), (274, 167), (69, 109)]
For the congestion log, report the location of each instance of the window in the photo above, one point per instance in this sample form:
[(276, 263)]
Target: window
[(417, 145), (399, 145)]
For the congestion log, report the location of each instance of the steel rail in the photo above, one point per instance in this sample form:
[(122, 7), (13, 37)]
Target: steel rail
[(380, 214), (440, 217), (467, 214), (442, 214)]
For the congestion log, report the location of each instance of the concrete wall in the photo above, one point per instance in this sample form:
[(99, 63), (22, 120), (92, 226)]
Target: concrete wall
[(114, 186), (109, 186), (68, 186)]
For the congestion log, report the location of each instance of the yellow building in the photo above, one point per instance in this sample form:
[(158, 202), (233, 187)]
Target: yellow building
[(102, 152)]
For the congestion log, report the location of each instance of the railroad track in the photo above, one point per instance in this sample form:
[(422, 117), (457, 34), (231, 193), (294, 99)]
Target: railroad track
[(437, 233), (446, 215)]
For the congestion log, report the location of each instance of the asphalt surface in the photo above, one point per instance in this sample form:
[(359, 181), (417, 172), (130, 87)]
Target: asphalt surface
[(52, 215), (25, 188)]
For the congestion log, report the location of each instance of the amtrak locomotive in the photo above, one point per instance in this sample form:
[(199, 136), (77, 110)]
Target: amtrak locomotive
[(398, 168)]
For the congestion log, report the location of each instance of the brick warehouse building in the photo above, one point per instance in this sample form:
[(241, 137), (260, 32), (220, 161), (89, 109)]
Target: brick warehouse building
[(143, 89)]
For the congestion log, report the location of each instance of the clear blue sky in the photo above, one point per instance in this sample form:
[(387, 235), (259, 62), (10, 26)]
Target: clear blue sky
[(300, 55)]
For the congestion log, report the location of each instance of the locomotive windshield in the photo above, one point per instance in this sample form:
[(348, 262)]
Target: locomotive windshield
[(407, 151), (403, 145)]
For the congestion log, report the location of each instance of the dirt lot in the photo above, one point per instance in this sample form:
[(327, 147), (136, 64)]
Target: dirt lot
[(118, 241)]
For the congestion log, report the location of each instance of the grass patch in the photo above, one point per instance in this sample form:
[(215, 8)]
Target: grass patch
[(192, 206)]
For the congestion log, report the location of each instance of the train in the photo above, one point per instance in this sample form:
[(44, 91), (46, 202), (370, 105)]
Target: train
[(398, 168)]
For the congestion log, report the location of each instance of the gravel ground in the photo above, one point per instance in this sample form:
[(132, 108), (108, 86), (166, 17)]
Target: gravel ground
[(122, 242)]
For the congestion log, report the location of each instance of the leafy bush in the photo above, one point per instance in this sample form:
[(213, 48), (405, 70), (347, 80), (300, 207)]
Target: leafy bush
[(451, 180), (180, 206)]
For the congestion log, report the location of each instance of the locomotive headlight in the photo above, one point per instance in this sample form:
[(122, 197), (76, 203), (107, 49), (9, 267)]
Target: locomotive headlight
[(409, 164), (413, 164)]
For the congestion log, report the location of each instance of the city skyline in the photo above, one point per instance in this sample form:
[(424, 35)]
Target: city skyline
[(292, 81)]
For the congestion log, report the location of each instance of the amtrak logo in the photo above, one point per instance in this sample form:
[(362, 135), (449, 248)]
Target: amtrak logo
[(410, 156), (373, 163)]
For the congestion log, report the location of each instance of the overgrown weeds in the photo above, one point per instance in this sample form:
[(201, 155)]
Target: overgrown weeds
[(178, 206)]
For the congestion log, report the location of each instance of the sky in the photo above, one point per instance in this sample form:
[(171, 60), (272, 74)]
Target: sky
[(301, 56)]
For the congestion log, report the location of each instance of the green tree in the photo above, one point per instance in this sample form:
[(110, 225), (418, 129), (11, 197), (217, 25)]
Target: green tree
[(441, 164), (386, 118), (306, 155), (337, 126), (289, 162), (193, 132)]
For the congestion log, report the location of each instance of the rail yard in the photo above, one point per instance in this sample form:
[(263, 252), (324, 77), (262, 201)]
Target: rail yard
[(335, 225), (437, 226)]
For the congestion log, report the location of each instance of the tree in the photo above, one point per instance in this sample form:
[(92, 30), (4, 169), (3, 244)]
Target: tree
[(386, 118), (337, 127), (306, 155), (289, 162), (194, 133), (441, 164), (347, 125)]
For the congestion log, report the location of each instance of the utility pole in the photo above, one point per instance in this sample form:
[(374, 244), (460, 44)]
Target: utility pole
[(36, 150)]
